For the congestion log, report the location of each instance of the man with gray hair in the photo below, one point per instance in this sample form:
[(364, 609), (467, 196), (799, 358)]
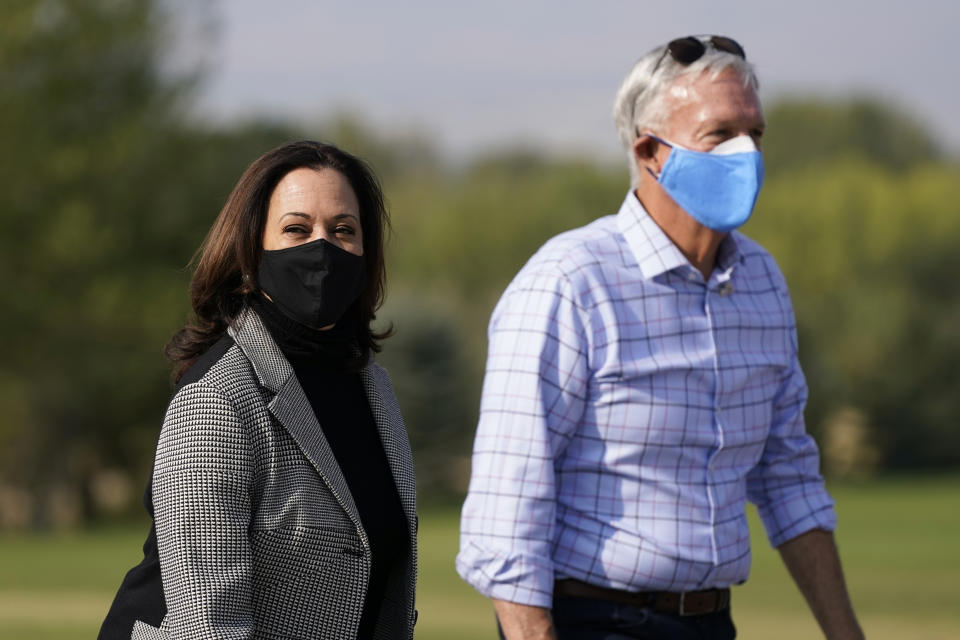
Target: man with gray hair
[(642, 384)]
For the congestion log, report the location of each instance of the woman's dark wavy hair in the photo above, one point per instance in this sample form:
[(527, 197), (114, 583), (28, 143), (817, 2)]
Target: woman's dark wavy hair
[(228, 260)]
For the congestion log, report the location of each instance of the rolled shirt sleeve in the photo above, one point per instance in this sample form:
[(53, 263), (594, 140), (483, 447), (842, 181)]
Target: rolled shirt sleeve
[(786, 484), (533, 398)]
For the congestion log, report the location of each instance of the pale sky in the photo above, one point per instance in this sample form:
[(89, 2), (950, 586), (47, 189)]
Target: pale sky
[(495, 73)]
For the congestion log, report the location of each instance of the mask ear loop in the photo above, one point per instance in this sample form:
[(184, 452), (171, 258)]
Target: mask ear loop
[(658, 139)]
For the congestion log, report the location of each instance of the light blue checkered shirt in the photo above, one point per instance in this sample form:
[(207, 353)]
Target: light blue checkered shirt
[(629, 410)]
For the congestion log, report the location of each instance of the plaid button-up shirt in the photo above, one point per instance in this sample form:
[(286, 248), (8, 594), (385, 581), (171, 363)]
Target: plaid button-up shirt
[(629, 410)]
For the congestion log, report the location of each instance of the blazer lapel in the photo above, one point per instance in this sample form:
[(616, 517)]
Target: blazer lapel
[(290, 405), (393, 435), (294, 412)]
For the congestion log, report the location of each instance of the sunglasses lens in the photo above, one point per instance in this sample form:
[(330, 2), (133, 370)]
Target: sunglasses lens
[(686, 50), (690, 49), (729, 45)]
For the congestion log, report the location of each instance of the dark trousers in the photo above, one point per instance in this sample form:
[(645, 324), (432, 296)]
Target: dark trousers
[(589, 619)]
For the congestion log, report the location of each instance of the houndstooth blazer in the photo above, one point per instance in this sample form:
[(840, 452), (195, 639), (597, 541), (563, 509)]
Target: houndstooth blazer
[(257, 532)]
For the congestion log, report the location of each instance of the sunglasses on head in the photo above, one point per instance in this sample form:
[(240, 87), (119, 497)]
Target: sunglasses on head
[(690, 49)]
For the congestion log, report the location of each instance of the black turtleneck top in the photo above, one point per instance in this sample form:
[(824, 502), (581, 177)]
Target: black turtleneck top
[(325, 363)]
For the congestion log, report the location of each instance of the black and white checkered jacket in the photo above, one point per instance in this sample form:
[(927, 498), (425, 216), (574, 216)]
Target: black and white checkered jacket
[(257, 533)]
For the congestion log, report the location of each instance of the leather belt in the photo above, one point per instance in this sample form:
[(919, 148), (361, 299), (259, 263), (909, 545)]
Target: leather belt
[(685, 603)]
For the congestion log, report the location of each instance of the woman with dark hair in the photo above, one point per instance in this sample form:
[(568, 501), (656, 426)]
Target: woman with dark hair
[(282, 492)]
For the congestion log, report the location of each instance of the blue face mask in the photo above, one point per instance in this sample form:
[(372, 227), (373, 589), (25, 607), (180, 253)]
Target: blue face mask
[(718, 188)]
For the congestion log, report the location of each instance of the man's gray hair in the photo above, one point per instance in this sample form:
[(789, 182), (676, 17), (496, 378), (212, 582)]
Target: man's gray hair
[(640, 103)]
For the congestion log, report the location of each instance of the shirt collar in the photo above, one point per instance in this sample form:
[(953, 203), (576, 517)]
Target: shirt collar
[(654, 250), (729, 254)]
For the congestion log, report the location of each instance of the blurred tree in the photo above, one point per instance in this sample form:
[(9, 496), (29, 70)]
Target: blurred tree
[(85, 109), (477, 227), (394, 157), (871, 256), (108, 194), (804, 132), (108, 188), (467, 232), (428, 364)]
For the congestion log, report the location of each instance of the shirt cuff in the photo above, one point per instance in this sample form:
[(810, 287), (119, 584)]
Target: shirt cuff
[(518, 578), (798, 513)]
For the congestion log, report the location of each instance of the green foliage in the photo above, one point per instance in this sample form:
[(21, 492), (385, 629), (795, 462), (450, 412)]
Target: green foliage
[(108, 189), (103, 203), (84, 110), (804, 132), (428, 368), (476, 229), (871, 258)]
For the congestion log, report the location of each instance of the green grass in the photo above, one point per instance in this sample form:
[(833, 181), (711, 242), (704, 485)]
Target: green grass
[(898, 538)]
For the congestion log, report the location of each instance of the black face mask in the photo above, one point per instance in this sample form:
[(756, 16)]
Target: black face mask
[(312, 283)]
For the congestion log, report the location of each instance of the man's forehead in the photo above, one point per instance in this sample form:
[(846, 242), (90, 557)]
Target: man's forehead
[(711, 95), (694, 85)]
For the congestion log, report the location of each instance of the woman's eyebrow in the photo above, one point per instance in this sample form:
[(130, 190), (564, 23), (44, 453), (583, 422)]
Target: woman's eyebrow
[(295, 213)]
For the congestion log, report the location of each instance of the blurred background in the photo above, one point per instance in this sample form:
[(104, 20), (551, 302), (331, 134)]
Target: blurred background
[(127, 122)]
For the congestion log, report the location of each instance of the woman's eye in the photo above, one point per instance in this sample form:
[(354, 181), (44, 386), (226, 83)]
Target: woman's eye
[(344, 229), (295, 228)]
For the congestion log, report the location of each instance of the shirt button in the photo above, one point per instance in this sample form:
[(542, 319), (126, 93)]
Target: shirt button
[(691, 276)]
